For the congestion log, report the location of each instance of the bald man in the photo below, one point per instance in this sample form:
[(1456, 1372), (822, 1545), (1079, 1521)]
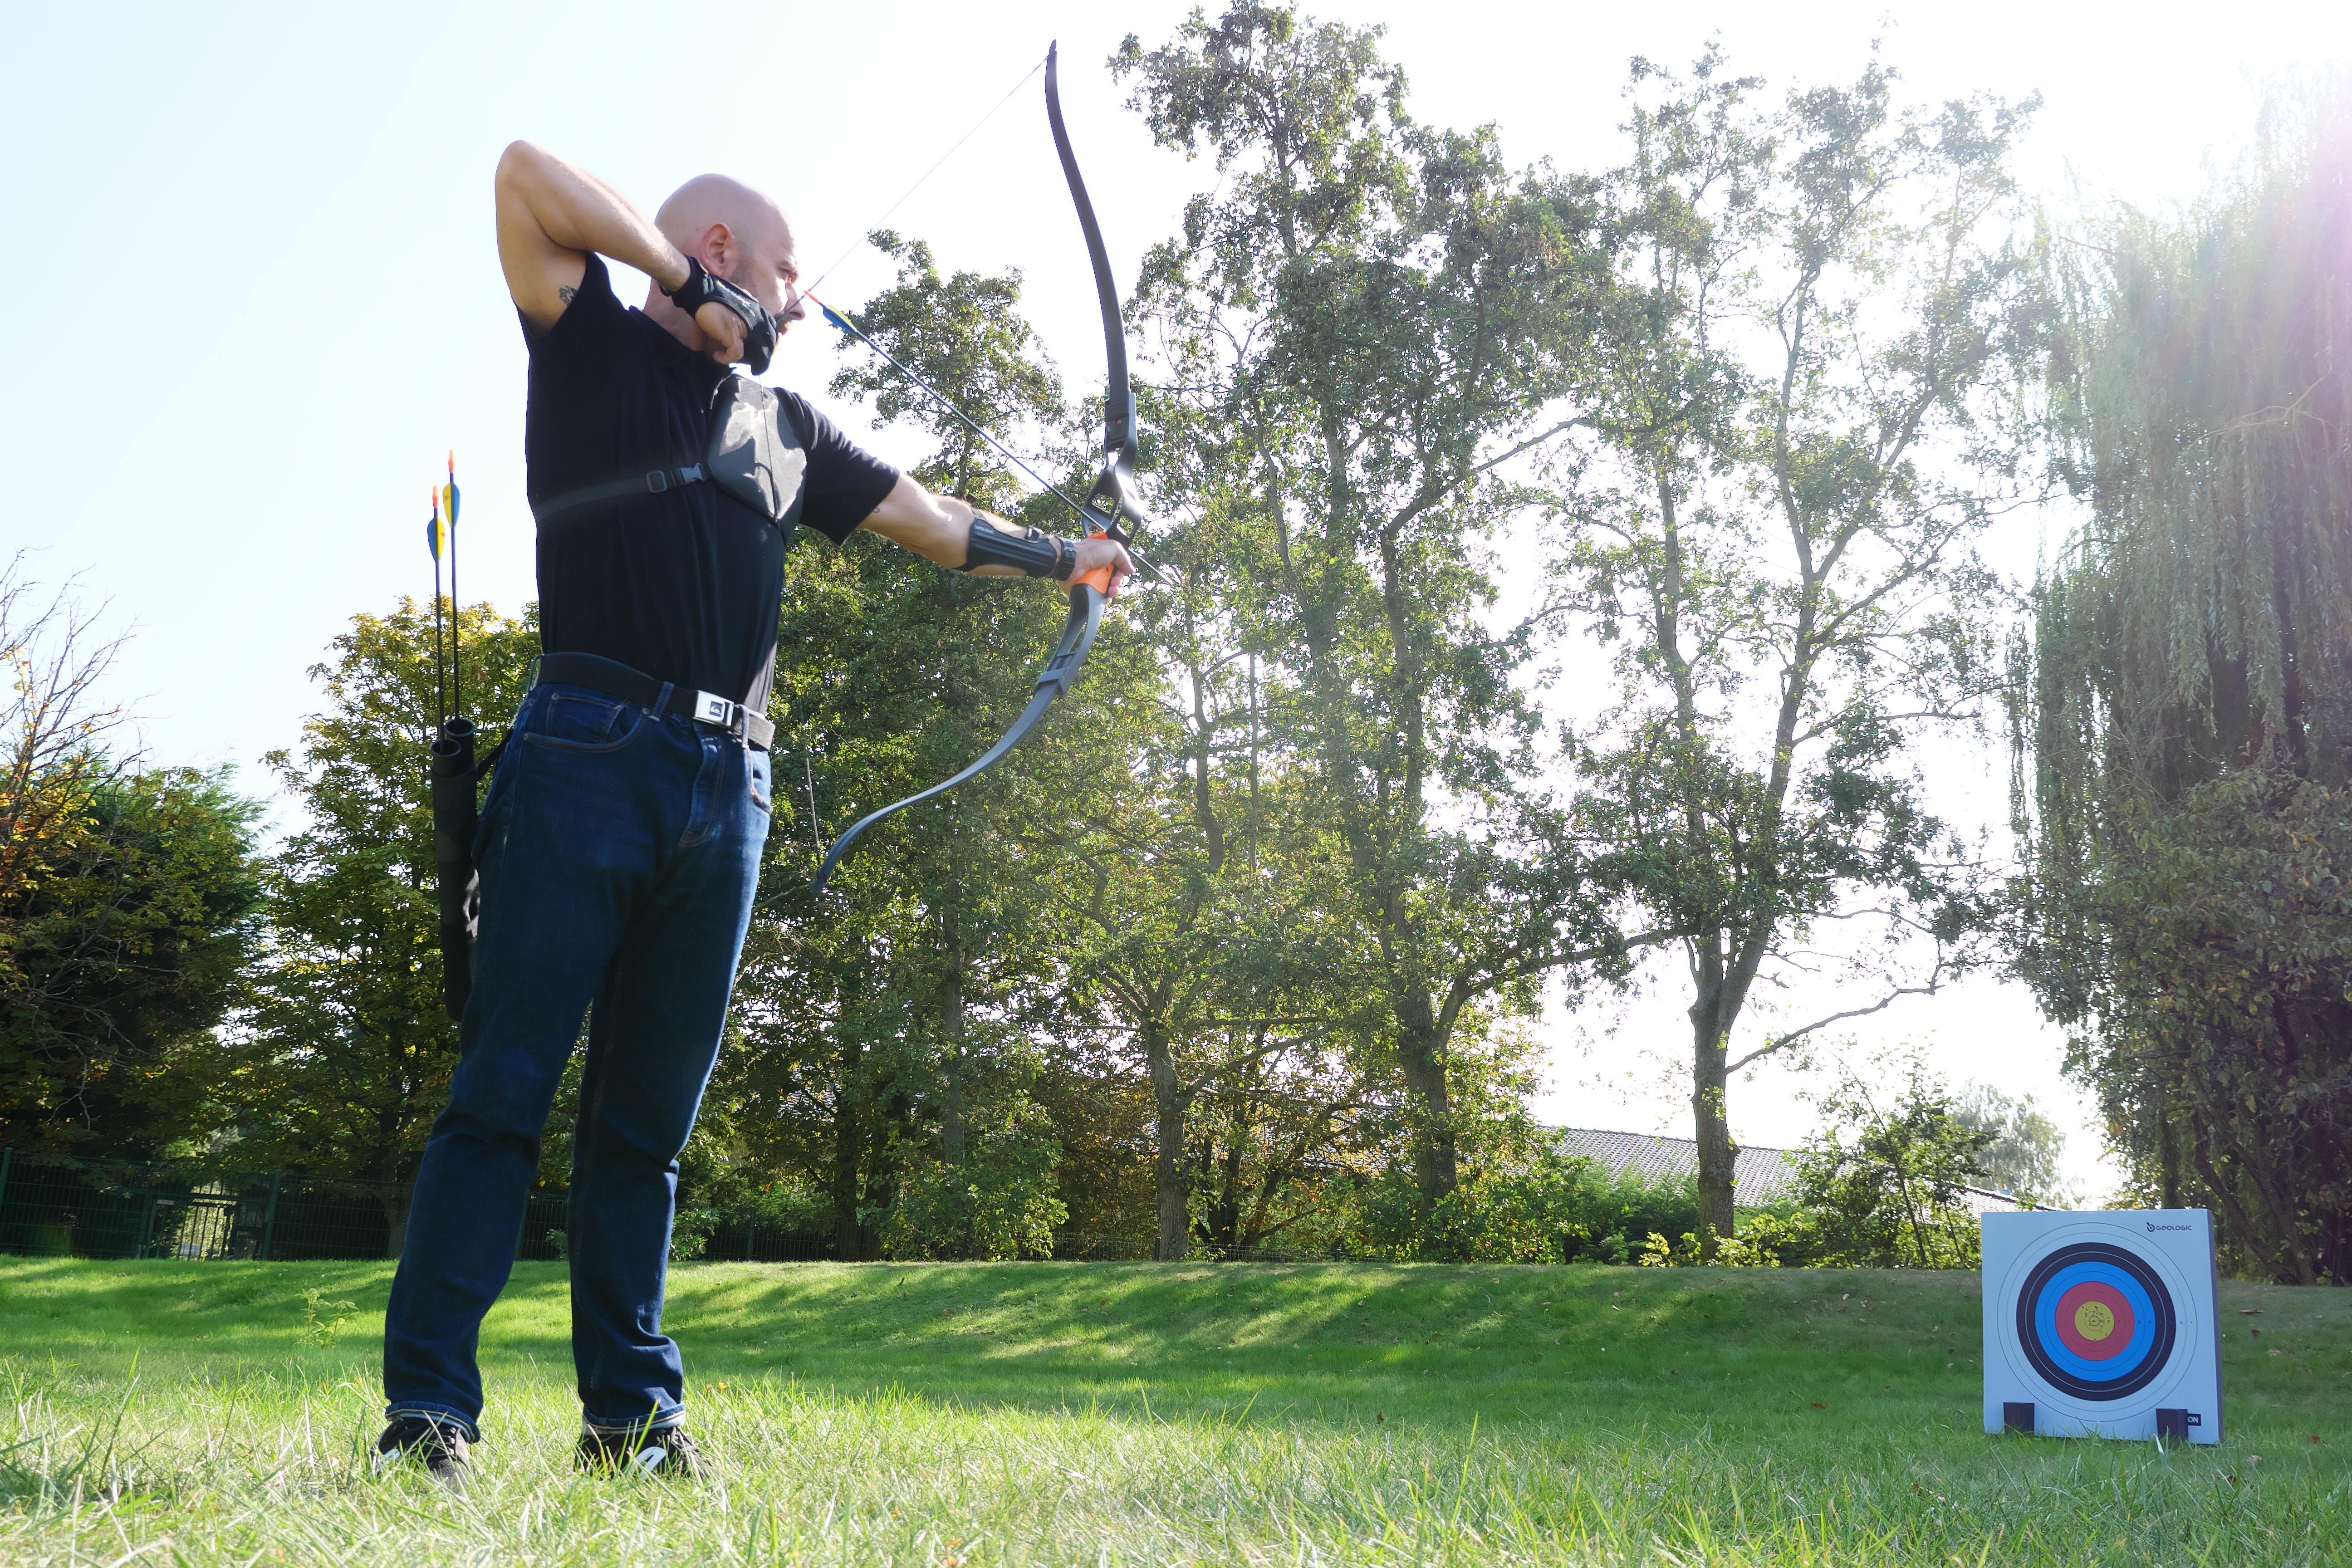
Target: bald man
[(619, 839)]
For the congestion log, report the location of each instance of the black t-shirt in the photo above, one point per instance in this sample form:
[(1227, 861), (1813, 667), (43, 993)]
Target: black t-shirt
[(683, 585)]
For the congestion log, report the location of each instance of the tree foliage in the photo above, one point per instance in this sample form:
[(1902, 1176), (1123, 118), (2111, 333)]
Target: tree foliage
[(2024, 1156), (1881, 1184), (123, 954), (342, 1056), (126, 900), (2183, 704)]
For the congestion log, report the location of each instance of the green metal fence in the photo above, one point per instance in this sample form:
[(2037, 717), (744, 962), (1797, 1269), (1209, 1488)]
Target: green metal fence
[(119, 1208), (116, 1208)]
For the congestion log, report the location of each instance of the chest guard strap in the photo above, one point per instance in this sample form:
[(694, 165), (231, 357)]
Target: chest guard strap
[(753, 455)]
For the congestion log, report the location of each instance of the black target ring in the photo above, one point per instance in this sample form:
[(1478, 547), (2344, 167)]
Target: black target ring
[(2164, 1320)]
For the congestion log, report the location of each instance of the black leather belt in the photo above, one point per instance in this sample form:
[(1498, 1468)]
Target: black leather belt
[(614, 679)]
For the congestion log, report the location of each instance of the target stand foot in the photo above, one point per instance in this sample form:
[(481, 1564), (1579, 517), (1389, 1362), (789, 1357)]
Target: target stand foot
[(2015, 1417)]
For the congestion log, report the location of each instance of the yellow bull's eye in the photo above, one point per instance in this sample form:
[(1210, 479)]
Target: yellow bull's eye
[(2094, 1321)]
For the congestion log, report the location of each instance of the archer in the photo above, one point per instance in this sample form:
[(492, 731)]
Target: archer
[(620, 841)]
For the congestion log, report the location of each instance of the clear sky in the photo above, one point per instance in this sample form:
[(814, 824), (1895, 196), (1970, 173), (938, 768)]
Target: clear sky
[(258, 296)]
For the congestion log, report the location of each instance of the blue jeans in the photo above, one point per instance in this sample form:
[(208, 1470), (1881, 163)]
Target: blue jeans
[(619, 849)]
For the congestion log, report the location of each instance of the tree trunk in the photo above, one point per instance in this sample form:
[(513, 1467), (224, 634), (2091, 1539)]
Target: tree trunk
[(395, 1197), (1170, 1101), (1910, 1206), (2200, 1153), (2277, 1209), (1421, 1056), (880, 1190), (842, 1189), (1225, 1215), (951, 1099), (2168, 1156), (1717, 1155)]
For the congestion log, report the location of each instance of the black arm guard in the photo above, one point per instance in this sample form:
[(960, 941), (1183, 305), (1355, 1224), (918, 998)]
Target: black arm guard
[(1030, 552), (701, 289)]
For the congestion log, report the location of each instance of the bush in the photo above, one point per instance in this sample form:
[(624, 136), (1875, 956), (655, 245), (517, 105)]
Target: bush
[(1884, 1181), (1543, 1208), (1000, 1202), (1785, 1236), (1615, 1213)]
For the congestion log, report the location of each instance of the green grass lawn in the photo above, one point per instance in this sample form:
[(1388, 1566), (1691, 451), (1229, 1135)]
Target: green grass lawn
[(950, 1415)]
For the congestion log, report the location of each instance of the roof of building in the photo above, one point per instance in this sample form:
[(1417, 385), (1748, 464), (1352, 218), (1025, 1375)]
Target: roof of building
[(1758, 1176)]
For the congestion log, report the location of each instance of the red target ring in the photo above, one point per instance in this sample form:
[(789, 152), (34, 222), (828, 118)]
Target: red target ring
[(2094, 1321)]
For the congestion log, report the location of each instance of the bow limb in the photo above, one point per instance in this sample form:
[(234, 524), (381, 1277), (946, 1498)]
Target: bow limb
[(1062, 669), (1112, 503)]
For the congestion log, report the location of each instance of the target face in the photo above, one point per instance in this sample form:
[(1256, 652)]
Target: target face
[(2096, 1321), (2100, 1324)]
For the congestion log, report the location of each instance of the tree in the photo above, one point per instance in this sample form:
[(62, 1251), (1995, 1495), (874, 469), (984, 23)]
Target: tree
[(1276, 1130), (1217, 951), (1364, 320), (125, 952), (125, 897), (822, 1088), (1776, 505), (2024, 1158), (341, 1059), (54, 727), (2183, 703), (880, 1025), (994, 1200), (1881, 1183)]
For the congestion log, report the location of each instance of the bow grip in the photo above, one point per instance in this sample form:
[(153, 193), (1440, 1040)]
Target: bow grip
[(1099, 578)]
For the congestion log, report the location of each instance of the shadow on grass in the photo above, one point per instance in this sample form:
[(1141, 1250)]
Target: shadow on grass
[(1745, 1355)]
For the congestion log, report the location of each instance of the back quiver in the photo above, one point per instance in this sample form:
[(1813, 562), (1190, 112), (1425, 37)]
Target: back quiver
[(457, 811)]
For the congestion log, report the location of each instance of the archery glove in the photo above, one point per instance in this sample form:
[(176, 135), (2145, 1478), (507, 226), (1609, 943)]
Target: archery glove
[(701, 289)]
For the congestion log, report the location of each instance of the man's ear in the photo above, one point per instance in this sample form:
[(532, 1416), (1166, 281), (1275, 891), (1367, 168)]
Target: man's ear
[(717, 250)]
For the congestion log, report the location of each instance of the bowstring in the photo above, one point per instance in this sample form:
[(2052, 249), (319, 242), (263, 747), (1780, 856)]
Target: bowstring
[(863, 234), (865, 237), (843, 322)]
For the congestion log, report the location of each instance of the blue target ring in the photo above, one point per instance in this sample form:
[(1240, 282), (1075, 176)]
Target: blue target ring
[(2142, 1319), (2150, 1327)]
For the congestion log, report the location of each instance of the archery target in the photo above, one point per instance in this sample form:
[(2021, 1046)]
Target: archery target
[(2095, 1322)]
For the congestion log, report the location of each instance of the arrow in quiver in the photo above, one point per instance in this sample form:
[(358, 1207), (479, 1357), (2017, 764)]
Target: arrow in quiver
[(451, 775)]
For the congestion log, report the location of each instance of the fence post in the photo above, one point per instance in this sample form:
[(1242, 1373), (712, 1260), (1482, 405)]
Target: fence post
[(7, 1155), (750, 1230), (270, 1217)]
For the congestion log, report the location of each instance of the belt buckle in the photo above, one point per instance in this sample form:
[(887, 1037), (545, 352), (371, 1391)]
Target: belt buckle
[(712, 709), (657, 481)]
